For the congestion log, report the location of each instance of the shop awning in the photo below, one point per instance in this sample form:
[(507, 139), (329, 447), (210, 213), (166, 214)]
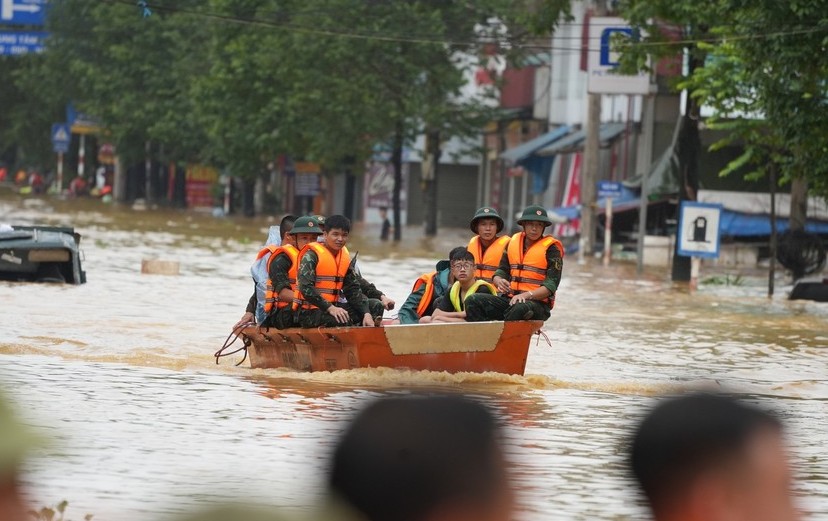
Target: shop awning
[(575, 141), (524, 150)]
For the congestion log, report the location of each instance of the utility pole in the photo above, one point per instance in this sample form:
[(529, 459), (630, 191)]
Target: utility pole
[(592, 157)]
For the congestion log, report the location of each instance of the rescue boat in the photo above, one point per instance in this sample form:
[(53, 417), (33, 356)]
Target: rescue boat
[(453, 347)]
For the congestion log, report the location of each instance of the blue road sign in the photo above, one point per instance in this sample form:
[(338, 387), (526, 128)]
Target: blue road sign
[(698, 231), (609, 189), (22, 12), (14, 43), (61, 137)]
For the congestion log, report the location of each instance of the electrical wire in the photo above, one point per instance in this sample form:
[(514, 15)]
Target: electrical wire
[(438, 40)]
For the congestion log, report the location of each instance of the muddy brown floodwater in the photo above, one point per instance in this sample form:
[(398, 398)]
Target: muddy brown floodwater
[(119, 373)]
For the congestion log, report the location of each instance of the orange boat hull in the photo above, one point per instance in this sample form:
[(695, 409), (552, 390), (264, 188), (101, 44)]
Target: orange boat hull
[(475, 347)]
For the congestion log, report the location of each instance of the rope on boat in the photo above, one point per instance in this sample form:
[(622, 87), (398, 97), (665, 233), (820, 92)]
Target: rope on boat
[(234, 335), (540, 334)]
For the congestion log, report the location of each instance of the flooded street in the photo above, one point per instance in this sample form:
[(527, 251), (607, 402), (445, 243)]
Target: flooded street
[(119, 372)]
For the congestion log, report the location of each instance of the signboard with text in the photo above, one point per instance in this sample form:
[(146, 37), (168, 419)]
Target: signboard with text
[(602, 62), (609, 189), (16, 43)]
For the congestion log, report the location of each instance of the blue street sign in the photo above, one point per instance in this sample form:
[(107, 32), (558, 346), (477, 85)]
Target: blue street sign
[(609, 189), (23, 42), (698, 229), (22, 12), (61, 137)]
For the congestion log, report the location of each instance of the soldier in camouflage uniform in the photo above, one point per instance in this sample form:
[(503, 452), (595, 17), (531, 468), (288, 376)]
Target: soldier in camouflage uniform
[(535, 301), (377, 300), (356, 310)]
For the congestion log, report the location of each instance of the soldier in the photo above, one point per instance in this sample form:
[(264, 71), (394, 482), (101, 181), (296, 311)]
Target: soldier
[(368, 288), (528, 275), (255, 307), (486, 246), (282, 271), (325, 272)]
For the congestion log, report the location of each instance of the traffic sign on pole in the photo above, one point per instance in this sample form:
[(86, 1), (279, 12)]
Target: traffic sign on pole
[(22, 12), (698, 231), (15, 43), (609, 189), (61, 137)]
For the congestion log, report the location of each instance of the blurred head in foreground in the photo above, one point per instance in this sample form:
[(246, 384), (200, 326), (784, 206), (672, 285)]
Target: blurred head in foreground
[(16, 442), (423, 458), (710, 457)]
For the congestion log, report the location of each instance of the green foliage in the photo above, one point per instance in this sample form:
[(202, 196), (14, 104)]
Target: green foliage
[(761, 75), (236, 82)]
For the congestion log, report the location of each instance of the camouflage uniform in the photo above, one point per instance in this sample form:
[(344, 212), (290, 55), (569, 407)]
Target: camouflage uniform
[(356, 306), (483, 306)]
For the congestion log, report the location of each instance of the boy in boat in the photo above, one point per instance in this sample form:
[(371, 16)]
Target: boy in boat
[(450, 307), (325, 272), (368, 289), (427, 288), (528, 275), (253, 303), (486, 246)]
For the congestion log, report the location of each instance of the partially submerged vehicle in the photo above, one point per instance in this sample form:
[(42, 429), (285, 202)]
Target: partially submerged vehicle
[(41, 254), (453, 347)]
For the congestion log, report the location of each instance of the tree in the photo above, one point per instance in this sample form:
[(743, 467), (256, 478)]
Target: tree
[(759, 76)]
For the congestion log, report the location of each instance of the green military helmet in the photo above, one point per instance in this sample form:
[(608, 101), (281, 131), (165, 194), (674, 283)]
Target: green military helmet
[(535, 213), (486, 212), (307, 224), (17, 440)]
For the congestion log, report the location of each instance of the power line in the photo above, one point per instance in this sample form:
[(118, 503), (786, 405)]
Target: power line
[(438, 40)]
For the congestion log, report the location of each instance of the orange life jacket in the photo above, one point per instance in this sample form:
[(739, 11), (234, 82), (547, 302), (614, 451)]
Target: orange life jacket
[(271, 297), (428, 280), (330, 274), (529, 269), (488, 261)]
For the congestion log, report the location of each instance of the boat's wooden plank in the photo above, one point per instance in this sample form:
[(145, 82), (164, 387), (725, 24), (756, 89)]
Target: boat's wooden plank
[(443, 338)]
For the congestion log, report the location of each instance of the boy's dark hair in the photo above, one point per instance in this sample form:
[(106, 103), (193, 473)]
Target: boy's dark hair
[(286, 225), (460, 253), (403, 457), (687, 436), (338, 222)]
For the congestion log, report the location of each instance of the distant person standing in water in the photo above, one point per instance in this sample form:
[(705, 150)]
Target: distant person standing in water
[(710, 457), (385, 233)]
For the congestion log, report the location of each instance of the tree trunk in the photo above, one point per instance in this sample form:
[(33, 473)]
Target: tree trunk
[(433, 152), (147, 172), (248, 193), (396, 162), (689, 148), (799, 203)]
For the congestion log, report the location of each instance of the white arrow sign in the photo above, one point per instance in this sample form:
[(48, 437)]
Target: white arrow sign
[(9, 7)]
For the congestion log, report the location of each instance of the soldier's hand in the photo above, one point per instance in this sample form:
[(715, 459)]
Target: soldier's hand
[(247, 317), (502, 285), (387, 303), (339, 314), (520, 297), (368, 320)]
